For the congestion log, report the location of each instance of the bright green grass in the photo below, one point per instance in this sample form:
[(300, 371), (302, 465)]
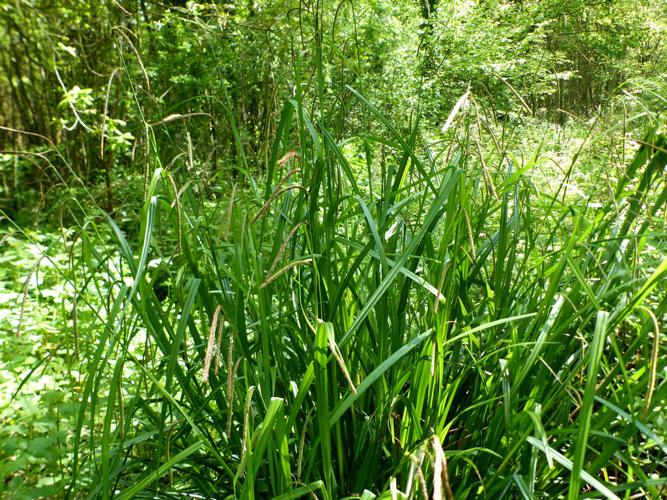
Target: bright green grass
[(416, 322), (345, 325)]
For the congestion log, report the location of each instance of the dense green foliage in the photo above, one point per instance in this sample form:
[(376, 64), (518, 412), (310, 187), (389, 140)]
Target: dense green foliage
[(333, 249), (89, 76)]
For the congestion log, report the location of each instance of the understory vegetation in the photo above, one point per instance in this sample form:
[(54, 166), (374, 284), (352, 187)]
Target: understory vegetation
[(362, 249)]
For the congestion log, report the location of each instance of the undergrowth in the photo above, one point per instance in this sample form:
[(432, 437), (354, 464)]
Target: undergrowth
[(390, 314), (416, 322)]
